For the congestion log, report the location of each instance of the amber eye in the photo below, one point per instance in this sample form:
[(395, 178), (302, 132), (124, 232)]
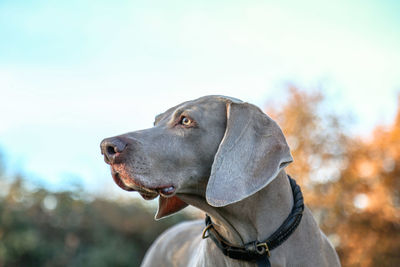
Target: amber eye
[(186, 121)]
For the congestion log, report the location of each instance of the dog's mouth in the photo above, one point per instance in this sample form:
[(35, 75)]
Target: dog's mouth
[(128, 184), (168, 202)]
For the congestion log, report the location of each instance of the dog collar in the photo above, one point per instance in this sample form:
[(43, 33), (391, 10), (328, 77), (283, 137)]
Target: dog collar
[(256, 250)]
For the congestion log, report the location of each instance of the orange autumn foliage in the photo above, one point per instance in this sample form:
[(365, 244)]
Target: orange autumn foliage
[(352, 184)]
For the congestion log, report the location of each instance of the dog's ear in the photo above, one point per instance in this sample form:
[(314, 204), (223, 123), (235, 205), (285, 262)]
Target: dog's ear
[(251, 154)]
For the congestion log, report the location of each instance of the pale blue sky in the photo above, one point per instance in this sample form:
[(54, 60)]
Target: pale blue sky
[(74, 72)]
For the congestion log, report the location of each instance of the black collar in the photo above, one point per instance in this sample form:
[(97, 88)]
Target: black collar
[(256, 250)]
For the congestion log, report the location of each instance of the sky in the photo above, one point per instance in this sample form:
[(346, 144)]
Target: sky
[(74, 72)]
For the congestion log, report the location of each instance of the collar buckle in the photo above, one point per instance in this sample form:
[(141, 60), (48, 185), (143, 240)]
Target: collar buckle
[(263, 248)]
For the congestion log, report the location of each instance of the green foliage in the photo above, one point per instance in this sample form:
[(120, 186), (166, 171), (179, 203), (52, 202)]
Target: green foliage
[(40, 228)]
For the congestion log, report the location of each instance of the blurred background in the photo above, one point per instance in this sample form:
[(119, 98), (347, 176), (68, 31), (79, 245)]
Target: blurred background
[(74, 72)]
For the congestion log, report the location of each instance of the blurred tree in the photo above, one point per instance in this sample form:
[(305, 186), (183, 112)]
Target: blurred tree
[(351, 184), (40, 228), (368, 193)]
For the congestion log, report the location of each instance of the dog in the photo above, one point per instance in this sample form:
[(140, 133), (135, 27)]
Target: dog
[(227, 158)]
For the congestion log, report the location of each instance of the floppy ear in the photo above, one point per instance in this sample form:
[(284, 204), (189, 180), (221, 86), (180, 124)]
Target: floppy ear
[(251, 154)]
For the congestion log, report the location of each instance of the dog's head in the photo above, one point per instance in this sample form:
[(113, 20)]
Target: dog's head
[(214, 147)]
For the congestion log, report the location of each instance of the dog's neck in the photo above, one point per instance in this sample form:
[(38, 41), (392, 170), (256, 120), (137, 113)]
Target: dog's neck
[(254, 218)]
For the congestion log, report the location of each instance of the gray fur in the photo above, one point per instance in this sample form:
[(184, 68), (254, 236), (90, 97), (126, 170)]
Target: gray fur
[(230, 164)]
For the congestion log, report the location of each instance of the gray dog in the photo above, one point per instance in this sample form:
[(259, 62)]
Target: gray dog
[(227, 158)]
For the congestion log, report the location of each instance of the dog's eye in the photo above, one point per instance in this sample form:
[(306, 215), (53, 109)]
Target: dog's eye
[(186, 121)]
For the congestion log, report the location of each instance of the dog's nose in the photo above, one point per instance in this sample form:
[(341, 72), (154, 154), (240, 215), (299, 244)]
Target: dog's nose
[(111, 148)]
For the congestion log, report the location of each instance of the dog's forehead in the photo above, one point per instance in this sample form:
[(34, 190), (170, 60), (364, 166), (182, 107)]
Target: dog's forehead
[(207, 101), (220, 98), (197, 103)]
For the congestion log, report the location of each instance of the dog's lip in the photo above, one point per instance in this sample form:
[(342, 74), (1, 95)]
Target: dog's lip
[(147, 193), (148, 196), (119, 182), (164, 191)]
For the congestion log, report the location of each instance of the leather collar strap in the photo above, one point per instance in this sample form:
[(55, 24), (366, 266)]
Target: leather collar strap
[(256, 250)]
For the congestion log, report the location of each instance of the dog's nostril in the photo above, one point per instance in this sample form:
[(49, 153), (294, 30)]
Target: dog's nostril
[(111, 150)]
